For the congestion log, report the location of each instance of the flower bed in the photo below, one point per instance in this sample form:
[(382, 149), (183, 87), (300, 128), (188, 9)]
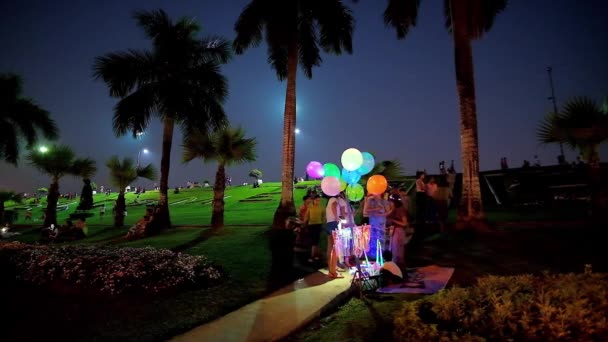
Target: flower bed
[(109, 270), (562, 307)]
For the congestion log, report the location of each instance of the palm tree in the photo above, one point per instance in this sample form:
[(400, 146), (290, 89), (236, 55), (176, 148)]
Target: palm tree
[(20, 118), (467, 20), (6, 195), (58, 162), (178, 80), (582, 125), (390, 169), (257, 174), (121, 175), (294, 32), (227, 147)]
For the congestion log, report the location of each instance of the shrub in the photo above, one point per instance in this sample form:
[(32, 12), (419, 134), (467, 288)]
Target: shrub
[(549, 307), (110, 270)]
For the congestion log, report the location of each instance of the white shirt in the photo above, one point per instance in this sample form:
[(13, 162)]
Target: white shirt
[(340, 209), (393, 268)]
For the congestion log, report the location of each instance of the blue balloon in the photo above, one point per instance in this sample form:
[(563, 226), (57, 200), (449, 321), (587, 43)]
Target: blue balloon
[(368, 163), (350, 177)]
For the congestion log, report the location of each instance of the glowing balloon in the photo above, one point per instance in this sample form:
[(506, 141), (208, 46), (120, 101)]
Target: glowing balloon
[(352, 159), (355, 192), (343, 184), (351, 177), (376, 184), (368, 163), (331, 170), (314, 170), (330, 186)]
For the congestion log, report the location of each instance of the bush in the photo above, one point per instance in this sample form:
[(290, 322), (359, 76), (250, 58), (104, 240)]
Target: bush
[(550, 307), (109, 270)]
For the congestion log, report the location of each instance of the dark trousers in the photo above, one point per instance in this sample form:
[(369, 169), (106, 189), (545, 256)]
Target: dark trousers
[(421, 206)]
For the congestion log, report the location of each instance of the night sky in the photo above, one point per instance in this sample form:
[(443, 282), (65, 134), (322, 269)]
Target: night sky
[(396, 99)]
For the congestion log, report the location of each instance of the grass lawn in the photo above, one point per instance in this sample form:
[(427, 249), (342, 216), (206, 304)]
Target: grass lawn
[(504, 252), (241, 248)]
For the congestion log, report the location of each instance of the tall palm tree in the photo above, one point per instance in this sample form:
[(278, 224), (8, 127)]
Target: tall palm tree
[(227, 147), (6, 195), (466, 20), (294, 32), (121, 175), (582, 124), (178, 81), (58, 162), (20, 118)]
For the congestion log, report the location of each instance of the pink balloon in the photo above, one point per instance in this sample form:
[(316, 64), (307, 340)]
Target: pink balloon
[(330, 186), (314, 169)]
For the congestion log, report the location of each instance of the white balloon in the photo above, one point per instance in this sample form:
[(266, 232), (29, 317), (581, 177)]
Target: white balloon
[(352, 159)]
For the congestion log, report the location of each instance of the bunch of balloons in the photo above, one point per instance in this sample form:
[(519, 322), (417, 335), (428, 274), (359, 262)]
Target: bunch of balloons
[(354, 165)]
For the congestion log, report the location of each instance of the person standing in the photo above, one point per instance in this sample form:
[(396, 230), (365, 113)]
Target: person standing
[(420, 197), (313, 220), (333, 213), (441, 198), (397, 220)]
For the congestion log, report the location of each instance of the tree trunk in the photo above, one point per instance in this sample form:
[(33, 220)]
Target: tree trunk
[(286, 206), (161, 217), (470, 212), (50, 213), (217, 216), (119, 209)]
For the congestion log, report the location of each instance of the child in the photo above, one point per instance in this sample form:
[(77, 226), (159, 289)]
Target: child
[(390, 273)]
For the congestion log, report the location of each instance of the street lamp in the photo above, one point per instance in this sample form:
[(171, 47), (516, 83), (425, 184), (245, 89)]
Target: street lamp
[(297, 131), (43, 149), (145, 151)]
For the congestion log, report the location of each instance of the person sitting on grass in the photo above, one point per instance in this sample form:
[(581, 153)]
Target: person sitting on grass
[(80, 230), (390, 273)]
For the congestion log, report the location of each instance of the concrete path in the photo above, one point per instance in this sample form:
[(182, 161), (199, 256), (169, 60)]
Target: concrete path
[(277, 315)]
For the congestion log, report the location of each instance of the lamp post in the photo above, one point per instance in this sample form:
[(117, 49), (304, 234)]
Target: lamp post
[(145, 151)]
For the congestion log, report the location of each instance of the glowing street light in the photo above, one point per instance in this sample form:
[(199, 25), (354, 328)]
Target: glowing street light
[(297, 131), (145, 151), (43, 149)]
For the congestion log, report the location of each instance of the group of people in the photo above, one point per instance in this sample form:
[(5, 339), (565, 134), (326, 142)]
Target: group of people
[(67, 231), (433, 198), (386, 214)]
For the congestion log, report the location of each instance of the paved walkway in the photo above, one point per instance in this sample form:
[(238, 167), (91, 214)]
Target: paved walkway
[(277, 315)]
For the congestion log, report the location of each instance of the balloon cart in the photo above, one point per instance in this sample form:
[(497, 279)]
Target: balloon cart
[(355, 240)]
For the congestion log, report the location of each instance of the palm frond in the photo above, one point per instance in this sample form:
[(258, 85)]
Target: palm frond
[(133, 113), (20, 118), (401, 15), (198, 145), (9, 143), (481, 15), (31, 119), (336, 25), (308, 44), (147, 172), (123, 71), (83, 167), (215, 50), (154, 23), (549, 130), (57, 162), (249, 26)]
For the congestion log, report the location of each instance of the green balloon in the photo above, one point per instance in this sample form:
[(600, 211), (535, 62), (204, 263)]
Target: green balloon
[(331, 170), (355, 192), (343, 184)]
